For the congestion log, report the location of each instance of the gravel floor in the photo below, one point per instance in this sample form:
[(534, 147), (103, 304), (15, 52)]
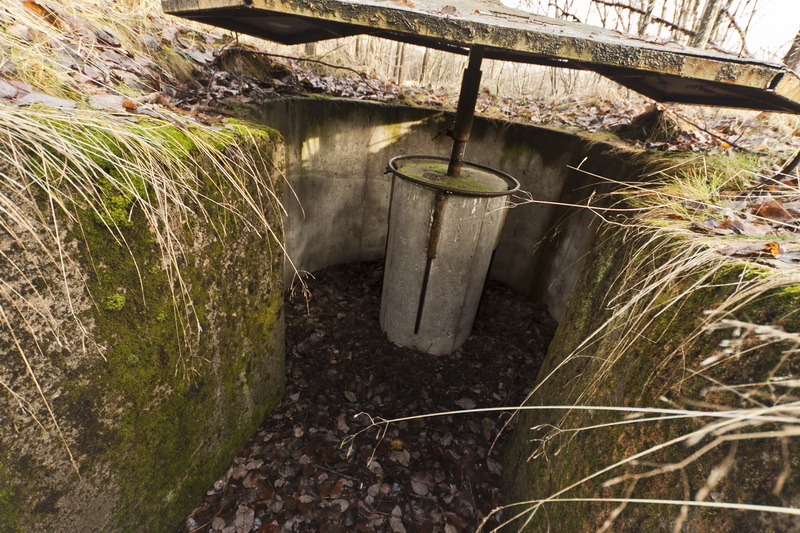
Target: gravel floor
[(438, 474)]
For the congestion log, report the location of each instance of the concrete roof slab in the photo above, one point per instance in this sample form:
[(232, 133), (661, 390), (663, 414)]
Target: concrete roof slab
[(666, 72)]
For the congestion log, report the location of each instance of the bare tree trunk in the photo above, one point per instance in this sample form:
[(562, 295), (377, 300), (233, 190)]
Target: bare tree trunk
[(386, 67), (399, 60), (732, 23), (499, 78), (424, 66), (792, 57), (707, 24), (642, 13), (718, 35), (644, 19), (680, 20)]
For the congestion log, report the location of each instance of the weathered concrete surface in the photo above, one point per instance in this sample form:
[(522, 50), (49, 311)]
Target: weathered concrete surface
[(464, 232), (337, 153), (111, 352), (628, 341), (664, 72)]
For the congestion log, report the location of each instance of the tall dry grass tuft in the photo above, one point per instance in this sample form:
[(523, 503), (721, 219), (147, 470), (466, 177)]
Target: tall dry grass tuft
[(41, 42), (765, 410), (667, 266), (58, 166)]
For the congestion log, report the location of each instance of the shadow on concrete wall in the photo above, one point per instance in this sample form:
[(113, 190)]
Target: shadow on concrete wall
[(338, 195)]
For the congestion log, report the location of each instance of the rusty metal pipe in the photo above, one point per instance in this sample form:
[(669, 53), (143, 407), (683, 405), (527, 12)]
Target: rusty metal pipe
[(465, 112)]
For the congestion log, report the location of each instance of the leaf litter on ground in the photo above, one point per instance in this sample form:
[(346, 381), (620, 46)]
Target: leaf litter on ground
[(430, 475), (769, 208), (436, 475), (103, 64)]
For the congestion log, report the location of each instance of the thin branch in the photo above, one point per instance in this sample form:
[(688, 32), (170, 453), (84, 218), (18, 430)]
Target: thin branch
[(306, 59), (564, 12), (742, 33), (719, 137), (789, 167), (657, 20), (689, 503)]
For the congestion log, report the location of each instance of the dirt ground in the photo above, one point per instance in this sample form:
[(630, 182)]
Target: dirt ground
[(316, 465)]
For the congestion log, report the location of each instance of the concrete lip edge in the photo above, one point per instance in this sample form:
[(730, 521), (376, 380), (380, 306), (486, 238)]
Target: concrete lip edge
[(511, 183)]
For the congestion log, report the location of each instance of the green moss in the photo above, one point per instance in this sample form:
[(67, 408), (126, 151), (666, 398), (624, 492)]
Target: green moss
[(186, 399), (115, 212), (471, 179), (656, 361), (253, 65), (180, 67), (175, 421), (10, 502), (114, 302), (245, 129)]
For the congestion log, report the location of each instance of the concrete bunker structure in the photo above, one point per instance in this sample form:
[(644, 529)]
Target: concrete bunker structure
[(482, 29), (335, 159), (337, 192)]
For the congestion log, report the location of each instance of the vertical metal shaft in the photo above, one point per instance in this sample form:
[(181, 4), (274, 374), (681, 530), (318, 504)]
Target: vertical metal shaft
[(470, 85)]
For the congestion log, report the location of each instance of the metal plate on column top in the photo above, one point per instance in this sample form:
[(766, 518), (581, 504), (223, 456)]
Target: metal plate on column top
[(430, 171), (666, 72)]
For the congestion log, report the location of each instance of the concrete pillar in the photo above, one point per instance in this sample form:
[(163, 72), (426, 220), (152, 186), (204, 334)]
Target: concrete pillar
[(442, 232)]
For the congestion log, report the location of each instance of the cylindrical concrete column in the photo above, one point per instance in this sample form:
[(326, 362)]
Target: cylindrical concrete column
[(442, 232)]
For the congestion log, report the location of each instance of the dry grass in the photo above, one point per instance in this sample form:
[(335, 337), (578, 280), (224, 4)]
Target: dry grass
[(56, 164), (645, 293)]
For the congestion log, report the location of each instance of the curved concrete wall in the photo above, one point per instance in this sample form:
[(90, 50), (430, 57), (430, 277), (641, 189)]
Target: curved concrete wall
[(338, 196)]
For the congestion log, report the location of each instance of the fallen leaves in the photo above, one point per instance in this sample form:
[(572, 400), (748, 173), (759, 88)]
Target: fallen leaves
[(102, 62), (37, 98), (245, 519), (466, 403), (450, 11), (745, 227), (112, 103), (774, 211), (730, 226), (768, 208), (773, 248), (422, 483), (434, 475), (44, 11), (749, 249)]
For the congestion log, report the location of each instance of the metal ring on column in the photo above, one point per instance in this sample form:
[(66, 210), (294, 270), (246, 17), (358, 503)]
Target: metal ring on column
[(513, 184)]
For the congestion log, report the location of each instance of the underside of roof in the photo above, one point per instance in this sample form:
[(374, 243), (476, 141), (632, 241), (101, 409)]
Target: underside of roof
[(666, 72)]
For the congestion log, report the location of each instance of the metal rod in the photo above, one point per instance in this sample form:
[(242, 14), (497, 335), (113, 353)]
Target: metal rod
[(433, 242), (465, 112), (788, 167)]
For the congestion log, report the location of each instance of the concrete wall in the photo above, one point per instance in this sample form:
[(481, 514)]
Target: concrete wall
[(337, 151), (626, 341), (100, 365)]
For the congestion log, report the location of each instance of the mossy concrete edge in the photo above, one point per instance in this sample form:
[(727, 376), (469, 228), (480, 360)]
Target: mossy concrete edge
[(148, 438), (655, 370)]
